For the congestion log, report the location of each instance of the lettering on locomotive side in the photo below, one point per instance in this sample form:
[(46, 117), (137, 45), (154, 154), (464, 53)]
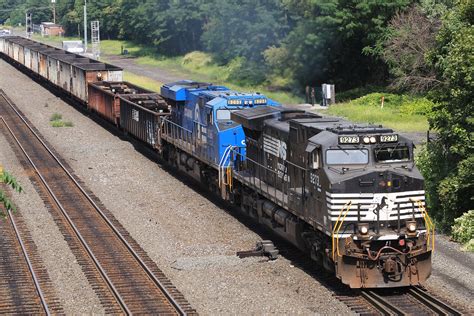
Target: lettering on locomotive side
[(389, 138), (282, 172), (135, 115), (274, 146), (314, 179), (349, 139)]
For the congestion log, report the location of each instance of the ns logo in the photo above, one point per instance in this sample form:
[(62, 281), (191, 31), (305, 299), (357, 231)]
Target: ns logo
[(282, 150)]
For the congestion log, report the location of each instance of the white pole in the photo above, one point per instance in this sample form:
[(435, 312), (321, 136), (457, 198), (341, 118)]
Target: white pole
[(85, 26)]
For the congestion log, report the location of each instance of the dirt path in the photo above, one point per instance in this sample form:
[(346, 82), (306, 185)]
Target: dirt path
[(153, 72)]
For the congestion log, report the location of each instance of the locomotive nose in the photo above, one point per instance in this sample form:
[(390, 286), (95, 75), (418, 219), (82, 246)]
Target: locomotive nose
[(383, 182)]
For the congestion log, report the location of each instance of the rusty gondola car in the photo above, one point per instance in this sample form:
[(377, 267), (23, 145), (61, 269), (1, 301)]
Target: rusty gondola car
[(104, 97), (68, 73)]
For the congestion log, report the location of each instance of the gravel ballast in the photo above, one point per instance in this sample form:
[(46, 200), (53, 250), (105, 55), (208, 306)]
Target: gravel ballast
[(72, 287), (190, 238)]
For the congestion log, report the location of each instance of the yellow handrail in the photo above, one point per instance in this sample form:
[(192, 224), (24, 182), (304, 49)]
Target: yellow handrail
[(337, 227), (430, 227), (229, 177)]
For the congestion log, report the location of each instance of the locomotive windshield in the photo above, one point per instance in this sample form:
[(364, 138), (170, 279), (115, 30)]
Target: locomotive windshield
[(347, 156), (223, 115), (392, 154)]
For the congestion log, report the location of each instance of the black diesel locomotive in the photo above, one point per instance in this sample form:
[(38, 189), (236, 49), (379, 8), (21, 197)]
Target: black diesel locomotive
[(348, 194)]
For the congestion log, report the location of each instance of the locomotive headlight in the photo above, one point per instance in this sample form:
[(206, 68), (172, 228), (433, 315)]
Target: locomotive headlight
[(373, 140), (366, 139), (363, 229), (411, 226)]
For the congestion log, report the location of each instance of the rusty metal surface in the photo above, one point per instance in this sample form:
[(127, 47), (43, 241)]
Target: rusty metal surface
[(136, 287), (103, 97), (68, 71), (25, 286)]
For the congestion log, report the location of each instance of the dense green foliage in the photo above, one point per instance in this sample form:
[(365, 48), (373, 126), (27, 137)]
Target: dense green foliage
[(401, 112), (463, 230), (448, 161), (283, 42)]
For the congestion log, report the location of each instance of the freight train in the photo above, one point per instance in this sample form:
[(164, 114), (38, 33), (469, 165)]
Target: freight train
[(348, 194)]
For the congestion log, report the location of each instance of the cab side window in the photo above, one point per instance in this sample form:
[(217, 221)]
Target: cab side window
[(315, 160)]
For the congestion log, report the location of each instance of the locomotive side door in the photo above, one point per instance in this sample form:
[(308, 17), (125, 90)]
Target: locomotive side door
[(315, 198)]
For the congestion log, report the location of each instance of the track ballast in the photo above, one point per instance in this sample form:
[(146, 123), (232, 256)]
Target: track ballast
[(123, 276)]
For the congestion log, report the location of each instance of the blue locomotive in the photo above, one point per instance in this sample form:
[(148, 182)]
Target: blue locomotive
[(201, 118)]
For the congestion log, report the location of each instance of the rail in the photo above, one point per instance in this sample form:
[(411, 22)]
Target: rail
[(388, 303), (433, 303), (99, 211), (382, 305), (28, 262)]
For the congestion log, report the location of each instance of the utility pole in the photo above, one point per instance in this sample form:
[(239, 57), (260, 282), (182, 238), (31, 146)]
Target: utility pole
[(85, 26), (29, 24), (95, 39), (54, 10)]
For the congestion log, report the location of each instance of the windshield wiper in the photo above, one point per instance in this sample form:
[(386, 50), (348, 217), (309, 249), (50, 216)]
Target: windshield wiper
[(394, 148), (345, 151), (335, 170)]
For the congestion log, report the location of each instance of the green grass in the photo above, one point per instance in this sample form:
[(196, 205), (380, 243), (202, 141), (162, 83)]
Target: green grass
[(62, 124), (54, 39), (400, 112), (142, 81), (55, 117), (56, 121)]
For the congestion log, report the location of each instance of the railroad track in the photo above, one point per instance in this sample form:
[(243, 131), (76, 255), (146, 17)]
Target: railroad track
[(124, 277), (25, 286), (401, 301), (408, 301)]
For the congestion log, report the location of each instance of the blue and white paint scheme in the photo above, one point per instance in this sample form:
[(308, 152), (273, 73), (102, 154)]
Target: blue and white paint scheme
[(205, 110)]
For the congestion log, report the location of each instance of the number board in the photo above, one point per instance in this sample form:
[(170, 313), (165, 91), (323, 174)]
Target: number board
[(349, 139), (389, 138)]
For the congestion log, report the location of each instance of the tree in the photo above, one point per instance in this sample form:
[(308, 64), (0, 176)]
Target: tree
[(448, 161), (244, 29), (336, 40), (171, 27), (411, 37)]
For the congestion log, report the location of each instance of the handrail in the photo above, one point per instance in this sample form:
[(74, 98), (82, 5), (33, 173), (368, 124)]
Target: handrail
[(337, 227), (430, 227)]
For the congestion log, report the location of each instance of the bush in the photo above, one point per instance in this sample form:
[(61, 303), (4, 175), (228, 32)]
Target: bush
[(463, 230), (248, 73), (197, 59), (448, 191), (406, 104)]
